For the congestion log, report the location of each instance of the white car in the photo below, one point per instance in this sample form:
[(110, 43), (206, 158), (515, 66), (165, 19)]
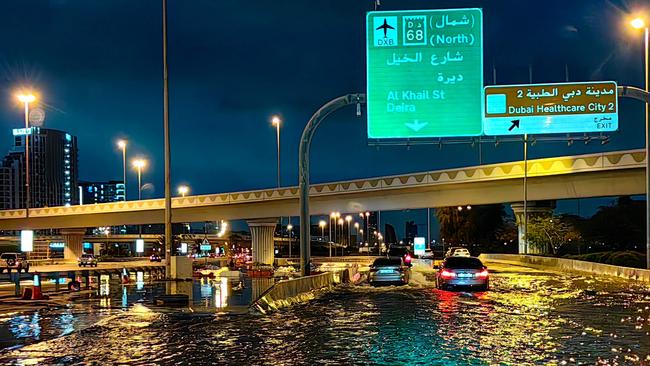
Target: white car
[(457, 252), (460, 253)]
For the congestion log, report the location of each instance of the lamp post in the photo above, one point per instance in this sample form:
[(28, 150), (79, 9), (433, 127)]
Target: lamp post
[(26, 99), (122, 145), (330, 229), (348, 219), (139, 164), (290, 228), (639, 23), (340, 222), (322, 224), (367, 222), (183, 190), (276, 121), (356, 229)]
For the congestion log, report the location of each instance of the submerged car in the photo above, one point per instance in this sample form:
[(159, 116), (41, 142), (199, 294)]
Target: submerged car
[(400, 252), (17, 261), (87, 260), (462, 272), (388, 271)]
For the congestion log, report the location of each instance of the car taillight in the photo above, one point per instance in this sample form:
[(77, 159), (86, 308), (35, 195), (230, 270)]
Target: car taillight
[(407, 259), (447, 274), (483, 274)]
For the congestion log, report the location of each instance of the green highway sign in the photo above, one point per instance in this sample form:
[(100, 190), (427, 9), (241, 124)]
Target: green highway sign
[(424, 73), (551, 108)]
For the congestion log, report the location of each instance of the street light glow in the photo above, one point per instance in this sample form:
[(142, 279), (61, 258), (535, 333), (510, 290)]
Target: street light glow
[(348, 218), (322, 223), (637, 23), (340, 221), (183, 190), (139, 163), (121, 144), (289, 227), (26, 98), (275, 120)]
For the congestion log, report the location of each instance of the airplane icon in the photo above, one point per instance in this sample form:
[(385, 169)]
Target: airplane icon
[(385, 27)]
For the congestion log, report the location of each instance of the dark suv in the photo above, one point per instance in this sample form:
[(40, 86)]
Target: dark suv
[(17, 261)]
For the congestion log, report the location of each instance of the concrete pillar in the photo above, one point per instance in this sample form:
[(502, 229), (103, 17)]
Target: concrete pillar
[(73, 239), (535, 208), (262, 234)]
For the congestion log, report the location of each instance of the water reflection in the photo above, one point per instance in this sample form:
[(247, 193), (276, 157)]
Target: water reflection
[(527, 318)]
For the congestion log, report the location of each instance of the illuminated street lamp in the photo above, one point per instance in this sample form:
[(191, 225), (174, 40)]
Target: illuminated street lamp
[(332, 216), (290, 229), (26, 98), (640, 23), (183, 190), (139, 164), (276, 121), (348, 219), (122, 145)]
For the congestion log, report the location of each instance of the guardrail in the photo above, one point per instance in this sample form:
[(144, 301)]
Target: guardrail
[(571, 265)]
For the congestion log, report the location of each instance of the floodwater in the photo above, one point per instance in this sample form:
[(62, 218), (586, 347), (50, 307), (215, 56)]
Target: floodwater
[(528, 318)]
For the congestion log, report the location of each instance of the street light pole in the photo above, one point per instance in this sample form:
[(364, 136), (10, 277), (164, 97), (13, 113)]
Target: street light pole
[(276, 121), (122, 145), (647, 149), (139, 164), (168, 153), (639, 23), (26, 99)]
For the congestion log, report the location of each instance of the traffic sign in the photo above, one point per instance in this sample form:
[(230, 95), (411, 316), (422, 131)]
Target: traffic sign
[(419, 245), (424, 73), (551, 108), (36, 117)]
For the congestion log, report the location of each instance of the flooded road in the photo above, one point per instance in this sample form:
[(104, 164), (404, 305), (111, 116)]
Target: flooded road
[(528, 318)]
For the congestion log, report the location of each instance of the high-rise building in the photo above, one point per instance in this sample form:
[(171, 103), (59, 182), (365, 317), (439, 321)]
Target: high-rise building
[(100, 192), (53, 169), (410, 231)]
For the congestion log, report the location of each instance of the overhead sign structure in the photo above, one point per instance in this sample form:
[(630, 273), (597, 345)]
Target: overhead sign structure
[(424, 73), (551, 108)]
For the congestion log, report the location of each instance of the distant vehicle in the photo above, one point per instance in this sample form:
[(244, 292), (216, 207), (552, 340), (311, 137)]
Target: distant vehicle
[(155, 258), (17, 261), (455, 272), (457, 252), (428, 254), (87, 260), (400, 252), (388, 271)]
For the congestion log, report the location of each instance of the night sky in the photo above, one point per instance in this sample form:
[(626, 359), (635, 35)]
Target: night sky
[(97, 66)]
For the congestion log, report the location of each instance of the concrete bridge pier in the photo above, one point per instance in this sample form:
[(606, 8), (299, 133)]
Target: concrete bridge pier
[(73, 238), (534, 208), (262, 233)]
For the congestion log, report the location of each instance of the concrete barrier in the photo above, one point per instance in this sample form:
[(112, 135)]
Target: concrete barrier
[(288, 292), (570, 265)]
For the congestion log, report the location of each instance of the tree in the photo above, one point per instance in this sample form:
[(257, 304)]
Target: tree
[(550, 233), (477, 225), (620, 226)]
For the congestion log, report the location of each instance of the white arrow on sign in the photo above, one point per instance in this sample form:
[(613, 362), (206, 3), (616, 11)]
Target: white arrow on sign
[(416, 125), (205, 241)]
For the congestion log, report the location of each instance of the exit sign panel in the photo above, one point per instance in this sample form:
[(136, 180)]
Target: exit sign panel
[(551, 108)]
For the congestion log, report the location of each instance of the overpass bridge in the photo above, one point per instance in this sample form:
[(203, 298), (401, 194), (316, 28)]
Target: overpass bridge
[(580, 176)]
